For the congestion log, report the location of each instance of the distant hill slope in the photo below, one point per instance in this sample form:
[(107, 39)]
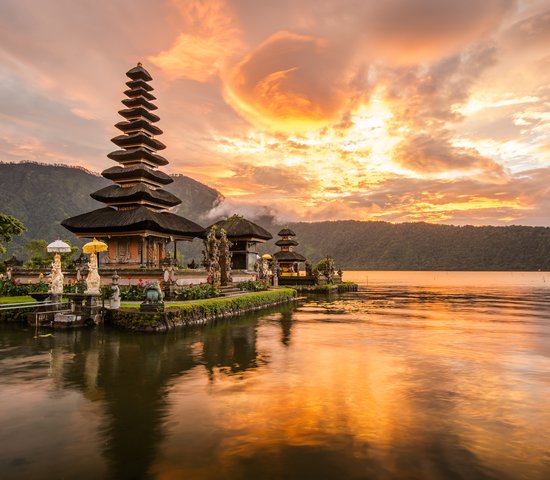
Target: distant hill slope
[(41, 196), (423, 246)]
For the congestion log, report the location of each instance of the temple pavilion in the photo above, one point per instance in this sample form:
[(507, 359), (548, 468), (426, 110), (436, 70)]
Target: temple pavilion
[(244, 236), (288, 260), (135, 222)]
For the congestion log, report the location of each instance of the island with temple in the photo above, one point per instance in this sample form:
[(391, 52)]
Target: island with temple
[(132, 275)]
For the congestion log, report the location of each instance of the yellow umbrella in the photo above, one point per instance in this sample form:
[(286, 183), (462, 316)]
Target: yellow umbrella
[(267, 256), (95, 246)]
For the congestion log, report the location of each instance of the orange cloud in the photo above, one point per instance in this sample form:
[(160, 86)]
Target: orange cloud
[(354, 109), (290, 82), (201, 52), (432, 154)]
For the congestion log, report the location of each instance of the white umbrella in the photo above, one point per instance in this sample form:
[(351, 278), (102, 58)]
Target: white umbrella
[(58, 247)]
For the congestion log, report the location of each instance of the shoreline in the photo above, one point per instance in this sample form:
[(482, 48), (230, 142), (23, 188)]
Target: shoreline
[(196, 312)]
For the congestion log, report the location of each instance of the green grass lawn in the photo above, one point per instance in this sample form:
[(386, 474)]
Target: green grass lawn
[(19, 299), (22, 299), (201, 300)]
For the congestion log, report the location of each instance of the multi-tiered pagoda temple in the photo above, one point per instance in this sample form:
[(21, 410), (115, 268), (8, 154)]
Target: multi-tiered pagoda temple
[(289, 260), (135, 223)]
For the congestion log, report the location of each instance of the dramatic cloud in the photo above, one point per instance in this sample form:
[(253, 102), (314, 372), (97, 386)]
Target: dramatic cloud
[(280, 83), (398, 110), (424, 153), (211, 38)]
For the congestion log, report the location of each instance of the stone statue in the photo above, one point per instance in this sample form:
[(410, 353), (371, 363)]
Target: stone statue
[(169, 268), (276, 272), (276, 268), (56, 283), (153, 298), (211, 257), (224, 255), (328, 270), (115, 292), (264, 268), (93, 282), (153, 293)]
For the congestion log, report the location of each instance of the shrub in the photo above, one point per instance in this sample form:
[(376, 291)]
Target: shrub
[(10, 288), (196, 292), (73, 288), (132, 292), (254, 285)]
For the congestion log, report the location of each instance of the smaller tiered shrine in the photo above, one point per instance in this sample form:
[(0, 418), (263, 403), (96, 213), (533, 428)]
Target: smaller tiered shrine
[(288, 260), (244, 236)]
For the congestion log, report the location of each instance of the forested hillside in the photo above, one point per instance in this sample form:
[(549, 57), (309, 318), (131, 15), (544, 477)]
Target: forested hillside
[(423, 246), (42, 196)]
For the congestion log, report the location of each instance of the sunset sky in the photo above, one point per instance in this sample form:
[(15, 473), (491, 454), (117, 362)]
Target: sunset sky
[(397, 110)]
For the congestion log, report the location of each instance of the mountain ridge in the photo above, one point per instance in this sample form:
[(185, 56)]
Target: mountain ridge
[(42, 195)]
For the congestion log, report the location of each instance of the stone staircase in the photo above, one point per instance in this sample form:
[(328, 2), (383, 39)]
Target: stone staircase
[(230, 291)]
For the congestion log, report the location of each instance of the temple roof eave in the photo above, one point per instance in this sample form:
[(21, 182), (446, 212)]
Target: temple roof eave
[(139, 92), (286, 232), (138, 124), (240, 228), (286, 243), (289, 257), (138, 112), (139, 73), (136, 172), (136, 154), (115, 194), (108, 219), (136, 140), (135, 84), (139, 102)]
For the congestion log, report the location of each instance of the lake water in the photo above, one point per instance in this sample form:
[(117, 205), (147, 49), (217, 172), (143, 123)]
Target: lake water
[(419, 375)]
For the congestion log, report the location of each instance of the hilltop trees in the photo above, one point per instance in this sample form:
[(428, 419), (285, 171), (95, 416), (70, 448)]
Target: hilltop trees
[(9, 226)]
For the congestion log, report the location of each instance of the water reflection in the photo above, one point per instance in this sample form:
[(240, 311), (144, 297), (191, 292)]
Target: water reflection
[(127, 375), (395, 381)]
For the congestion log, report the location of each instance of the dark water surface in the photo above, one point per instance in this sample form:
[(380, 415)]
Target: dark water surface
[(417, 376)]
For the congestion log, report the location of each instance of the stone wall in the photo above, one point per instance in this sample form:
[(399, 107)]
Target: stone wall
[(199, 312)]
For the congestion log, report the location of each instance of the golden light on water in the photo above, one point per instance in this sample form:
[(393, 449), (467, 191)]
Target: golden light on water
[(422, 374), (393, 376)]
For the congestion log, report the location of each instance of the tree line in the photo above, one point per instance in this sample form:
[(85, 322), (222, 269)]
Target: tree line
[(424, 246)]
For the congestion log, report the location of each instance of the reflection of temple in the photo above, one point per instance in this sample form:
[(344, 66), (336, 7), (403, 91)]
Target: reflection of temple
[(130, 378), (244, 236), (289, 261), (232, 350), (286, 324), (135, 223)]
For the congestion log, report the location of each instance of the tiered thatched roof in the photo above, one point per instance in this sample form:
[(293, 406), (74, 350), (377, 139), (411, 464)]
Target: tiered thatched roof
[(136, 201)]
